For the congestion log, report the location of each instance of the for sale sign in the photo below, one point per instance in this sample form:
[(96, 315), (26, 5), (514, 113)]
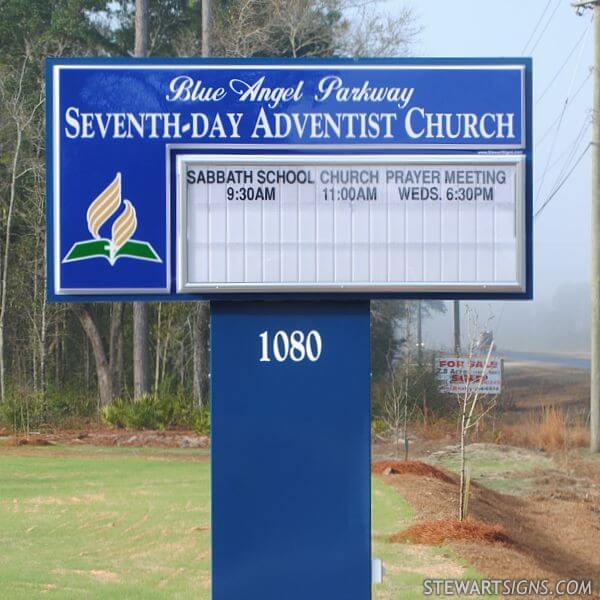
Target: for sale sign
[(470, 375)]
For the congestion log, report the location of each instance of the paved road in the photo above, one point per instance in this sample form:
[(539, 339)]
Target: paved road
[(549, 359)]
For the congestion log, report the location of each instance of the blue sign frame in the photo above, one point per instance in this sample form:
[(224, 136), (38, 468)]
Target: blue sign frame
[(157, 253)]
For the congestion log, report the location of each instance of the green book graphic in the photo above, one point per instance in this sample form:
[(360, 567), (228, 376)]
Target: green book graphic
[(101, 249)]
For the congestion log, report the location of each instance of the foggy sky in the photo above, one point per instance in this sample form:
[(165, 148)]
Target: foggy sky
[(558, 317)]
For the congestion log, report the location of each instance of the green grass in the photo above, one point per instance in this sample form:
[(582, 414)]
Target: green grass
[(587, 455), (407, 565), (505, 469), (96, 522), (114, 525)]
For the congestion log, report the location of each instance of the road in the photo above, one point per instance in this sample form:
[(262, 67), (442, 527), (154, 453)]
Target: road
[(573, 362)]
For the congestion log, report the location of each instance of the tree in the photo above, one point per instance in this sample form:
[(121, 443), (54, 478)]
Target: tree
[(141, 358), (42, 346), (399, 403), (30, 31), (473, 404), (103, 367), (387, 317), (21, 113)]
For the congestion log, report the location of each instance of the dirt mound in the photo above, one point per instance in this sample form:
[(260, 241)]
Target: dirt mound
[(434, 533), (412, 467)]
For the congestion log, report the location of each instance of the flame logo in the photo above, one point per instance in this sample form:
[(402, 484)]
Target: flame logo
[(120, 244), (122, 230), (104, 206)]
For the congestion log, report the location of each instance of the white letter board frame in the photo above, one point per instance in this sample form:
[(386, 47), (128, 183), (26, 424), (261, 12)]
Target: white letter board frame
[(410, 284)]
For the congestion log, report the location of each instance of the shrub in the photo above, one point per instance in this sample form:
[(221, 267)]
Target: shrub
[(24, 409), (201, 422), (548, 428), (379, 427), (157, 412)]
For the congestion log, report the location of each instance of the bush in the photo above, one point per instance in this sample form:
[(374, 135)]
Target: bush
[(378, 427), (547, 428), (424, 398), (201, 422), (157, 412), (24, 410)]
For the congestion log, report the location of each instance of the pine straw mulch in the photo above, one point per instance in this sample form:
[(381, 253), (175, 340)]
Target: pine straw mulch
[(434, 533), (412, 467), (547, 537)]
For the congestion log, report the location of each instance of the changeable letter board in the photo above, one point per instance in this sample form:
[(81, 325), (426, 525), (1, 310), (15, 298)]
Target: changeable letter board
[(350, 223)]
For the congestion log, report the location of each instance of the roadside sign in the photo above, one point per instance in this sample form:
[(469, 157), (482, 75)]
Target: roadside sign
[(331, 180), (391, 178), (469, 375)]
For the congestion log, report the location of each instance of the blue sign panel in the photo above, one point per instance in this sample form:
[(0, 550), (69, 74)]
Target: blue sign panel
[(115, 128), (290, 450)]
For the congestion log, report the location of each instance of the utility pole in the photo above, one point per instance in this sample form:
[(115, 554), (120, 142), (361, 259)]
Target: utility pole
[(141, 28), (420, 332), (205, 28), (200, 337), (141, 358), (457, 328), (581, 7)]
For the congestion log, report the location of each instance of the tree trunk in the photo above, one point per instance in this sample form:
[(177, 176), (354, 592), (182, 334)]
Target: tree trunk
[(141, 27), (86, 362), (57, 352), (44, 329), (182, 364), (35, 334), (463, 483), (103, 371), (405, 430), (206, 28), (141, 375), (3, 296), (165, 348), (116, 348), (201, 355), (157, 350)]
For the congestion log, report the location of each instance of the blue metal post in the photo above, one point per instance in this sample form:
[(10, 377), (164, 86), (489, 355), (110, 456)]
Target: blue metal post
[(291, 514)]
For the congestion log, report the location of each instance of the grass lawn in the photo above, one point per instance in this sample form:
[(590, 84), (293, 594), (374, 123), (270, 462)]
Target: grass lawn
[(134, 523), (506, 469)]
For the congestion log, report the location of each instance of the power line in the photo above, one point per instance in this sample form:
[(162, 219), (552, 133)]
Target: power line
[(551, 126), (565, 63), (538, 212), (572, 148), (558, 126), (541, 36), (536, 26), (573, 151)]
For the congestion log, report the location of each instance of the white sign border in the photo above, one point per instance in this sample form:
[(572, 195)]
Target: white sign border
[(54, 249), (183, 286)]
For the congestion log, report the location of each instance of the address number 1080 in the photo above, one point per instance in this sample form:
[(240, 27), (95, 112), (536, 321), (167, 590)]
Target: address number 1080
[(296, 346)]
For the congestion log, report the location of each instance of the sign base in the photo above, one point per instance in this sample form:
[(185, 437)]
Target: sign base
[(291, 497)]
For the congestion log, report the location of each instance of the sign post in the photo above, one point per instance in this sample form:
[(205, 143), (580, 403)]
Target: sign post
[(289, 193), (291, 496)]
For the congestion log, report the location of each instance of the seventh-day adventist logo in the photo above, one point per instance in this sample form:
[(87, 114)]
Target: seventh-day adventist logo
[(120, 244)]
